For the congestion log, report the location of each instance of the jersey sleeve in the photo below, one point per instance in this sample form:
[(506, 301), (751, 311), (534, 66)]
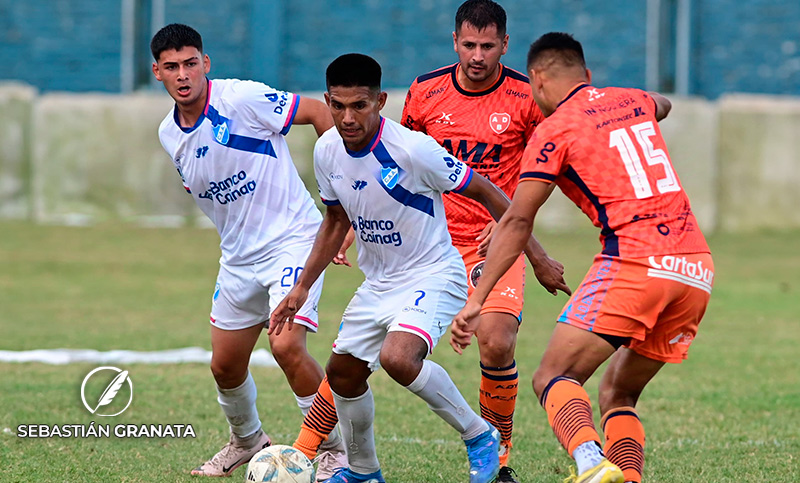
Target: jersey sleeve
[(437, 169), (267, 108), (545, 156), (412, 117), (322, 173)]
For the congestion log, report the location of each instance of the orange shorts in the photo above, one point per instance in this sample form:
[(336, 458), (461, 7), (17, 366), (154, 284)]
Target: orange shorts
[(656, 301), (507, 296)]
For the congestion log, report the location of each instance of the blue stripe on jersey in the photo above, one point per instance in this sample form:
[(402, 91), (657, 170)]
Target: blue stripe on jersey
[(537, 175), (400, 194), (610, 239), (242, 143), (465, 182)]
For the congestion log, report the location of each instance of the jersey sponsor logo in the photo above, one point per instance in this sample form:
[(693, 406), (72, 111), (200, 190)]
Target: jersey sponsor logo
[(378, 232), (594, 94), (221, 133), (390, 177), (521, 95), (359, 184), (201, 152), (434, 92), (445, 119), (229, 189), (281, 98), (335, 177), (682, 339), (456, 166), (548, 148), (479, 155), (679, 269), (499, 122)]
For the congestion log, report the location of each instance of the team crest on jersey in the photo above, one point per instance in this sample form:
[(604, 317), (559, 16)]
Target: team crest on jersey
[(221, 133), (475, 274), (389, 177), (499, 122)]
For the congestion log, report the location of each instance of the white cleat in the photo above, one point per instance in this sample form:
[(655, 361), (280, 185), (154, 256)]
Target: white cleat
[(233, 455)]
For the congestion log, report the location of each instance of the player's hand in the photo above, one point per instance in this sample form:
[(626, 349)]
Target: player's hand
[(485, 238), (464, 325), (341, 257), (286, 310), (550, 273)]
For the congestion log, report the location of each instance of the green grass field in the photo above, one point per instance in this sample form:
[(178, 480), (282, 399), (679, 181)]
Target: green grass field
[(730, 413)]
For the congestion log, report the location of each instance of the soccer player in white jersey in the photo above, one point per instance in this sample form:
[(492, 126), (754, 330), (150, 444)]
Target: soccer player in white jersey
[(386, 182), (226, 140)]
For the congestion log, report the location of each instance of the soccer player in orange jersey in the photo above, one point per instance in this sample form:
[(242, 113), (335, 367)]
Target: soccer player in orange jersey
[(643, 298), (482, 112)]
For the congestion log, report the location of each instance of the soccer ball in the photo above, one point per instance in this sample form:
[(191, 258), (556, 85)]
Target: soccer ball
[(280, 464)]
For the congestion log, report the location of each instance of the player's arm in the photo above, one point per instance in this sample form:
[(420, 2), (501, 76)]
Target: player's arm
[(510, 237), (548, 271), (314, 112), (330, 236), (663, 105)]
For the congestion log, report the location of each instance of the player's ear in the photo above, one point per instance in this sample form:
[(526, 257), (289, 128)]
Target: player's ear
[(327, 99), (156, 72), (455, 42), (588, 76), (382, 96), (207, 62), (505, 45)]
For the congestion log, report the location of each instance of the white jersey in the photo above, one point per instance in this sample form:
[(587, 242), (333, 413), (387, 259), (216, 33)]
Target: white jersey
[(392, 193), (236, 164)]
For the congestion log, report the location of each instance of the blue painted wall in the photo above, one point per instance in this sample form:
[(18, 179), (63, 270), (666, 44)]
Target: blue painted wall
[(751, 46)]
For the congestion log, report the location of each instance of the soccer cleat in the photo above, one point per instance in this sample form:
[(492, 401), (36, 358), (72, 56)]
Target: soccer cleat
[(482, 451), (506, 475), (328, 461), (233, 455), (344, 475), (603, 472)]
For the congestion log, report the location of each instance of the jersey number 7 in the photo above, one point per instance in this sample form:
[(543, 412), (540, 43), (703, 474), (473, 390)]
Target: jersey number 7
[(621, 140)]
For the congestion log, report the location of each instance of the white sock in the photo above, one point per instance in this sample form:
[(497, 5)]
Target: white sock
[(239, 406), (304, 403), (587, 455), (355, 419), (435, 387)]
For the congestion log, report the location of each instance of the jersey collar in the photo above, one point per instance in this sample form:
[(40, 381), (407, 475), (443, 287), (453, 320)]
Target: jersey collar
[(488, 90), (370, 145), (572, 92)]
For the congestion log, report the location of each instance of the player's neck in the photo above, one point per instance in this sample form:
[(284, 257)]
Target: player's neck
[(469, 85), (188, 114)]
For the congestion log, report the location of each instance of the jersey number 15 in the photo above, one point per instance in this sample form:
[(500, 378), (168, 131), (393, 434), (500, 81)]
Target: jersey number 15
[(621, 140)]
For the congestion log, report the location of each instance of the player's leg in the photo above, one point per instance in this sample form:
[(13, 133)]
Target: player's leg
[(236, 393), (237, 320), (572, 356), (622, 384), (424, 312), (497, 338), (355, 408)]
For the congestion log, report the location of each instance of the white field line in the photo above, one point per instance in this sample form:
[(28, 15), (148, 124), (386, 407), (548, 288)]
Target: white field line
[(260, 357)]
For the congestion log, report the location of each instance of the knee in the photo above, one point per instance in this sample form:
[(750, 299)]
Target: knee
[(286, 351), (401, 367), (228, 373), (498, 350)]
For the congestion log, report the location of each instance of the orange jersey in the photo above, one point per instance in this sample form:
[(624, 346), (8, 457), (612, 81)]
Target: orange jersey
[(604, 149), (487, 130)]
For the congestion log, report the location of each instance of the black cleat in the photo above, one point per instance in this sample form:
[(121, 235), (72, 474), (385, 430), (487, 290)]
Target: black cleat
[(506, 475)]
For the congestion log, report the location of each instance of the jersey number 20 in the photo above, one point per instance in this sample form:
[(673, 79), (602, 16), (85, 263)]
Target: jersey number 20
[(621, 140)]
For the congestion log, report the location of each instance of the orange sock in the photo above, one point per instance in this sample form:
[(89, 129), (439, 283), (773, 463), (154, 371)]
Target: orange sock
[(318, 423), (498, 398), (569, 413), (624, 441)]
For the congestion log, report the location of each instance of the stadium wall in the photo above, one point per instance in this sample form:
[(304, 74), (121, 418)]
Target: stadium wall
[(720, 46), (88, 158)]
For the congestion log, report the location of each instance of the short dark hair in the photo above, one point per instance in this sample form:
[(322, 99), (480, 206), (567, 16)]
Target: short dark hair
[(556, 46), (481, 14), (354, 70), (175, 36)]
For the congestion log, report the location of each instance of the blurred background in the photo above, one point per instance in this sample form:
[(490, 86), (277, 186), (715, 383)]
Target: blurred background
[(81, 108)]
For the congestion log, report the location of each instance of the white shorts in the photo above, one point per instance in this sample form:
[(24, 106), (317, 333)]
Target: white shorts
[(424, 308), (246, 295)]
